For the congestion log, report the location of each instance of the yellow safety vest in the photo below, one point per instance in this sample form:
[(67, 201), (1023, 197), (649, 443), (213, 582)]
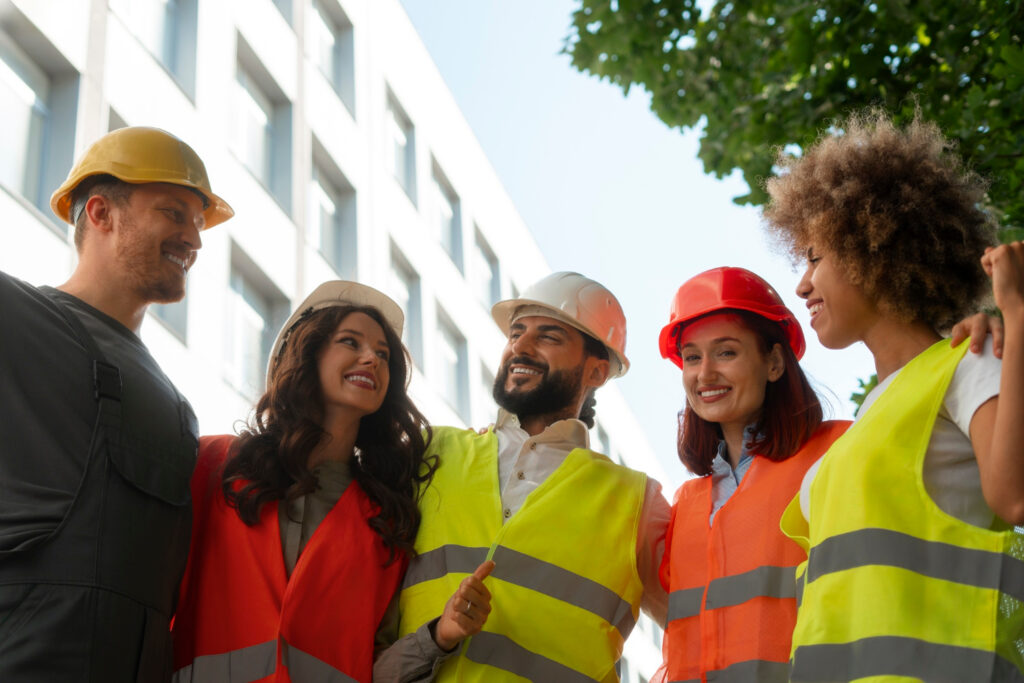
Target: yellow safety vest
[(895, 589), (565, 588)]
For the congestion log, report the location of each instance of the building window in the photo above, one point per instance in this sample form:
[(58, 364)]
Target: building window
[(404, 288), (447, 216), (262, 126), (167, 28), (174, 316), (285, 8), (451, 365), (331, 221), (255, 309), (485, 407), (402, 140), (38, 108), (487, 274), (330, 44)]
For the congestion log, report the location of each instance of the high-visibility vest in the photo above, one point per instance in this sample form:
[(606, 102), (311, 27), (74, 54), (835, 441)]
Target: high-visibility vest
[(894, 588), (240, 617), (732, 584), (565, 589)]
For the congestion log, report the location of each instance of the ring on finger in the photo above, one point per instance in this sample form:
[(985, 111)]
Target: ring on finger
[(469, 606)]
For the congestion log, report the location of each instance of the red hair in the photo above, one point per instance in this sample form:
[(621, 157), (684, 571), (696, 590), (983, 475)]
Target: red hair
[(790, 414)]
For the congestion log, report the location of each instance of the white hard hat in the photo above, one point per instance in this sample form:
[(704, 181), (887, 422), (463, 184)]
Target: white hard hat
[(339, 293), (575, 300)]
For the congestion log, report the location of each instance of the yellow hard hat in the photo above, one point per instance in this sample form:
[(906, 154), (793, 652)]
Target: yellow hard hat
[(138, 154)]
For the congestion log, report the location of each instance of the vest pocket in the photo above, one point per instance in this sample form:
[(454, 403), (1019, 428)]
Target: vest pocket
[(160, 470)]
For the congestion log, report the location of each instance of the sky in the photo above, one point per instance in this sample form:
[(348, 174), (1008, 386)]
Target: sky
[(610, 191)]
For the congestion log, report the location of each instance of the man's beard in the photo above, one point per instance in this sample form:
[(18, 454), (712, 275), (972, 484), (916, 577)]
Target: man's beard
[(555, 392), (148, 280)]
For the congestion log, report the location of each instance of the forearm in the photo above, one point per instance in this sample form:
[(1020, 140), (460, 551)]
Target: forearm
[(412, 659), (1007, 457)]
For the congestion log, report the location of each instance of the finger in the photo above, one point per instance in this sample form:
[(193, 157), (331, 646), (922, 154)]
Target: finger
[(958, 334), (484, 570), (475, 593), (997, 337)]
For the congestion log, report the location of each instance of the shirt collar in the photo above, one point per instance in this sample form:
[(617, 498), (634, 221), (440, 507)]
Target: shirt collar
[(748, 435), (570, 431)]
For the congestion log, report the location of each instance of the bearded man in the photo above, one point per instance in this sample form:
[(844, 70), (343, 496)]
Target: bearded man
[(96, 444), (575, 539)]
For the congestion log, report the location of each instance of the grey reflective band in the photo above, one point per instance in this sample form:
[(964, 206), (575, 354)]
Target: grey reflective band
[(726, 591), (759, 670), (303, 666), (898, 656), (237, 666), (685, 603), (981, 568), (504, 653), (524, 570), (258, 661), (520, 569), (448, 559), (800, 582)]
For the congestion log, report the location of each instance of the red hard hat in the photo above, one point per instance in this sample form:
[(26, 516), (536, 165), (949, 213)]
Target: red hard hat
[(727, 288)]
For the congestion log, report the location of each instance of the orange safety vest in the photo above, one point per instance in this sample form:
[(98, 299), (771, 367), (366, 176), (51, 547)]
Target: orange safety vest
[(732, 585), (240, 617)]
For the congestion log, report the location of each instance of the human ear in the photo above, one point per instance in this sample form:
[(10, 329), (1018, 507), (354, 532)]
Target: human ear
[(597, 372), (98, 211)]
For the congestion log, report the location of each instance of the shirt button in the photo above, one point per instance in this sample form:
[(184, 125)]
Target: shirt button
[(508, 513), (533, 446), (521, 476)]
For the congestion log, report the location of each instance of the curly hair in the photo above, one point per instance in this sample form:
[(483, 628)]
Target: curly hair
[(269, 458), (895, 208), (790, 414)]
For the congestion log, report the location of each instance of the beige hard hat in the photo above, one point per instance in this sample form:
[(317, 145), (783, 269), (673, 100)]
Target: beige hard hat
[(338, 293), (138, 154), (577, 301)]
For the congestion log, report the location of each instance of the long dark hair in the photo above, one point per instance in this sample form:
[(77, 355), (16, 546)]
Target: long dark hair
[(789, 416), (269, 458)]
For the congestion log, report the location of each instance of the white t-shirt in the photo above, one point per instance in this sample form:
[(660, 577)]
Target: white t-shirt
[(951, 475)]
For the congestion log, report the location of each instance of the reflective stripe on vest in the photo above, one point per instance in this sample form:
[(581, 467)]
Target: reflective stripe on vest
[(258, 661), (565, 588), (733, 582), (529, 572), (767, 582), (894, 586)]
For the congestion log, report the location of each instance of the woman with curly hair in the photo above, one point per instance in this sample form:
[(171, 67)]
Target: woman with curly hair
[(914, 569), (751, 427), (304, 523)]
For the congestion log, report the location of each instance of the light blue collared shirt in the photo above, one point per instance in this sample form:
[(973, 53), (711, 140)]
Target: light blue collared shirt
[(724, 479)]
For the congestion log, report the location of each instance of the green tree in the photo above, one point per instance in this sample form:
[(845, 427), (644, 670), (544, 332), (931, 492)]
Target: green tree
[(770, 74)]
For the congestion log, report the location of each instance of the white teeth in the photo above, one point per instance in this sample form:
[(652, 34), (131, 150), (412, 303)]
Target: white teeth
[(362, 379), (816, 309), (525, 371), (713, 392), (178, 261)]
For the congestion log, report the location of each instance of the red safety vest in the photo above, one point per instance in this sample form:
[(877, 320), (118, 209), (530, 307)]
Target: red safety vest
[(732, 587), (240, 617)]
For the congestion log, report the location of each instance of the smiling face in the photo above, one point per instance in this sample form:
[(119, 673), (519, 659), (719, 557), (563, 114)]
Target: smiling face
[(353, 368), (725, 370), (157, 237), (841, 314), (545, 369)]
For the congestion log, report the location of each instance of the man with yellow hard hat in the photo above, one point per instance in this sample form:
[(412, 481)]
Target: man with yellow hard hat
[(575, 539), (96, 444)]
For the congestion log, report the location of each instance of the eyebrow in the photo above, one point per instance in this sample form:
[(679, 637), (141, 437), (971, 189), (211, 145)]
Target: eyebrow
[(810, 252), (717, 340), (348, 330)]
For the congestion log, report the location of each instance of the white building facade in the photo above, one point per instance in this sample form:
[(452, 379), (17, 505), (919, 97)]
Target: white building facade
[(328, 128)]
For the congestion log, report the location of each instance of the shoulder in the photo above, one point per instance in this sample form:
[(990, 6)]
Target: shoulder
[(975, 381), (447, 437), (213, 450)]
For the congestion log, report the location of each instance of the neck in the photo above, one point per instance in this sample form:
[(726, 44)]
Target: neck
[(894, 344), (102, 293), (535, 424), (338, 444), (733, 435)]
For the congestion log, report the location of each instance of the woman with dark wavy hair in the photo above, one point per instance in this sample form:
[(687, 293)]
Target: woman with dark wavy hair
[(304, 523)]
